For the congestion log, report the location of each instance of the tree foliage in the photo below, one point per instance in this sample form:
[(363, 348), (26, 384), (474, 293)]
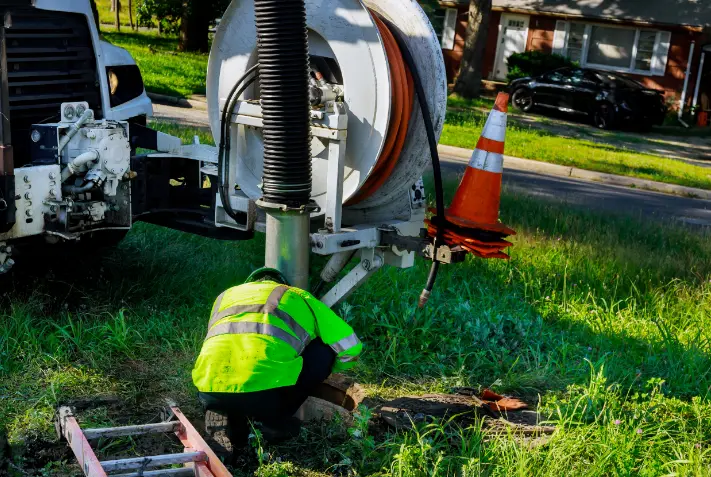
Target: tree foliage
[(190, 18), (535, 63), (166, 13)]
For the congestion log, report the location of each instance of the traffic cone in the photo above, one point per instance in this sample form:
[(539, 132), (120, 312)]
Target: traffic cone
[(472, 220), (476, 203)]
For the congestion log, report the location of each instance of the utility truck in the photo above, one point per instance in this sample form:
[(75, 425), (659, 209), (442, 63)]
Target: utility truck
[(74, 112), (324, 128)]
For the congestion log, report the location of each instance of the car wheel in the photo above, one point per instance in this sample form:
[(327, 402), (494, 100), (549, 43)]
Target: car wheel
[(603, 118), (523, 99)]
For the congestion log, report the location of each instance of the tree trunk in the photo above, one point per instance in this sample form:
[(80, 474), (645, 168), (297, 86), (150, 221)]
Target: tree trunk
[(113, 6), (130, 14), (193, 27), (468, 83), (118, 15)]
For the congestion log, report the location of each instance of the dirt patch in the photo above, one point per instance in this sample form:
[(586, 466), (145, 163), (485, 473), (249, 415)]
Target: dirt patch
[(35, 457), (464, 410)]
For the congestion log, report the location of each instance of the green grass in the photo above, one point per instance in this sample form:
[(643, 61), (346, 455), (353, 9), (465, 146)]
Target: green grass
[(180, 74), (463, 129), (605, 320), (106, 16), (164, 70)]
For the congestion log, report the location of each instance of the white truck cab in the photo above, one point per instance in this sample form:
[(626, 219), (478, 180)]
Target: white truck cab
[(74, 112)]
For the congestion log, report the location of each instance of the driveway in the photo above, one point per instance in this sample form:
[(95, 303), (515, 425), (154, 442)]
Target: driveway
[(586, 195)]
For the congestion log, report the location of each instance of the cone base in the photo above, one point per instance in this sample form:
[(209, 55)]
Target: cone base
[(469, 224), (484, 244)]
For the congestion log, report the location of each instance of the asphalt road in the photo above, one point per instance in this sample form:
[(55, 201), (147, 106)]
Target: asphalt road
[(601, 197), (576, 193)]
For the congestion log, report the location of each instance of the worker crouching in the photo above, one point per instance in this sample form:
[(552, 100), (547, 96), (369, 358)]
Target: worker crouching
[(268, 346)]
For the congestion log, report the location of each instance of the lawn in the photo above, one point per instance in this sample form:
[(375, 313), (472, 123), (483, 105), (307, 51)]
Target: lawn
[(181, 74), (463, 129), (603, 322), (106, 16), (164, 70)]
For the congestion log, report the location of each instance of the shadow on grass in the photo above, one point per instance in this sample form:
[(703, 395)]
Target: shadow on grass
[(140, 39), (580, 288)]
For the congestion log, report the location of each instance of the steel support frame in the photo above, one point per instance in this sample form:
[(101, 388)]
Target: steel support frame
[(198, 459), (371, 260), (330, 125)]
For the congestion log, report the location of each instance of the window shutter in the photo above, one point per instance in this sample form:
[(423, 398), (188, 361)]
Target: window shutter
[(449, 30), (560, 39), (661, 53)]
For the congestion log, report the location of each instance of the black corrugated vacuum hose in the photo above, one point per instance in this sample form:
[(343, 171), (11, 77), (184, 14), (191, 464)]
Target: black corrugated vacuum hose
[(282, 48), (432, 140)]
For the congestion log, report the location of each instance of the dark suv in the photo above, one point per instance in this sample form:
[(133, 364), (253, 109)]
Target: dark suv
[(608, 99)]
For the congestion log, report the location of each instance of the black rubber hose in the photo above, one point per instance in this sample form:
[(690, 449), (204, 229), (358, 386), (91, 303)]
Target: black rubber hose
[(226, 140), (282, 48), (436, 169)]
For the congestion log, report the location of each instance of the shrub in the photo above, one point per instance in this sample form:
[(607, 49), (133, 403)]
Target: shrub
[(534, 63)]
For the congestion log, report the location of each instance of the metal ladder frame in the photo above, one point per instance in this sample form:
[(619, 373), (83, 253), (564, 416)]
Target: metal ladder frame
[(198, 459)]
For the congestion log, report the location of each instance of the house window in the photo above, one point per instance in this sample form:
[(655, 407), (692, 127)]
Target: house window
[(576, 41), (611, 47), (444, 23), (449, 29), (645, 50), (627, 50)]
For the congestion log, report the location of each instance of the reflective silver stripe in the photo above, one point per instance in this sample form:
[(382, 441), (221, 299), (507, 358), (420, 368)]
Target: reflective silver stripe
[(216, 307), (345, 344), (275, 297), (293, 326), (235, 310), (243, 327), (347, 359), (272, 307)]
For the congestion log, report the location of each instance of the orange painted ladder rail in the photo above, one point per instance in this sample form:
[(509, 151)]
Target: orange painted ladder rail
[(198, 459)]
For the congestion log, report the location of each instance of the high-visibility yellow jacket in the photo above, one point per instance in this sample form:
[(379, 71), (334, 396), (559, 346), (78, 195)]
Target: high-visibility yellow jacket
[(257, 332)]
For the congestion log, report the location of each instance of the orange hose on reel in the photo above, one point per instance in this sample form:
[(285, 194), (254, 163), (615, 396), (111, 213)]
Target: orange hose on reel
[(403, 91)]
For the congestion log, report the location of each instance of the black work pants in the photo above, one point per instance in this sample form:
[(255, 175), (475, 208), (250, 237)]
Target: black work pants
[(273, 406)]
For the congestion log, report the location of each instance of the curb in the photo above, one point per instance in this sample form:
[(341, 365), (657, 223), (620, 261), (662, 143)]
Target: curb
[(528, 165), (196, 102)]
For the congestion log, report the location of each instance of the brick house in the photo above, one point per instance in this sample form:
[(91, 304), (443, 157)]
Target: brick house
[(661, 43)]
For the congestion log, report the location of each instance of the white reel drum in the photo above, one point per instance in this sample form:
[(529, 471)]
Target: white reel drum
[(344, 34)]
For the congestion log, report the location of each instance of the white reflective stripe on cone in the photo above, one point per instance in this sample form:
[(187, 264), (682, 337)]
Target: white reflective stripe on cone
[(345, 344), (487, 161), (495, 127), (347, 359)]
